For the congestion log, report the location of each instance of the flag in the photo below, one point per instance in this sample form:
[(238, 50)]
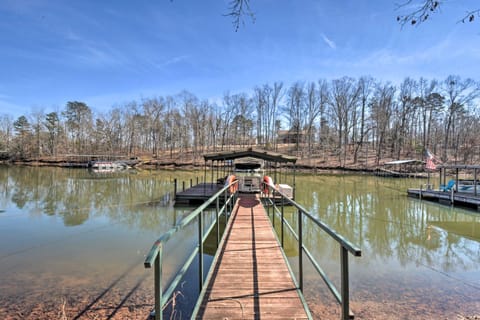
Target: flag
[(430, 160)]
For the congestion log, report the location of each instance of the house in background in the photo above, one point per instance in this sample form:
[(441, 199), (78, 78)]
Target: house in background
[(291, 136)]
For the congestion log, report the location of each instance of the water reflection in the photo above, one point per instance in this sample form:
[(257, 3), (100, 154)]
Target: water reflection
[(76, 195), (72, 243), (402, 239), (69, 235)]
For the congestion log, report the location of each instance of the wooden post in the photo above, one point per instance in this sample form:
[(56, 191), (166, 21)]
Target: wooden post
[(174, 188), (441, 169), (475, 181), (212, 169), (456, 181), (294, 188)]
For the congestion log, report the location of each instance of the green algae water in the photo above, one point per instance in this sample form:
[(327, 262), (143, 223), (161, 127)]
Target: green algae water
[(73, 242)]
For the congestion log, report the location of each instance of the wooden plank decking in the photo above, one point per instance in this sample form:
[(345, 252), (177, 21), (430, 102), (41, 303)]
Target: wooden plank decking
[(200, 192), (457, 198), (251, 279)]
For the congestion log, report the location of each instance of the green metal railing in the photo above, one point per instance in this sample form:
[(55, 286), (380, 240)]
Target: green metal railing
[(155, 256), (342, 298)]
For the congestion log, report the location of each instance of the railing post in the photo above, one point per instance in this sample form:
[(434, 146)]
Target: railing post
[(282, 218), (225, 207), (200, 251), (217, 209), (300, 250), (158, 284), (344, 284), (273, 208)]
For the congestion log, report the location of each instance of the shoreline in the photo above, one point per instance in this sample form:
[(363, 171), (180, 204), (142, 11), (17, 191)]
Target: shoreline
[(173, 165)]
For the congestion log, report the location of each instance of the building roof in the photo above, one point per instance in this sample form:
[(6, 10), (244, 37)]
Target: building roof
[(403, 161), (259, 154)]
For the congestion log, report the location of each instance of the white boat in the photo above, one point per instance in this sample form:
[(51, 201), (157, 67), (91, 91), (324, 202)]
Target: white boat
[(252, 179), (107, 165), (467, 186), (249, 172)]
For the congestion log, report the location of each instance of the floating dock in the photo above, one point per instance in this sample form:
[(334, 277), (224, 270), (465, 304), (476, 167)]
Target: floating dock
[(198, 193), (450, 198), (251, 279)]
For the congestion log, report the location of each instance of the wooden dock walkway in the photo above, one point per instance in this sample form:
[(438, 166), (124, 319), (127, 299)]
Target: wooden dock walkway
[(456, 198), (250, 279), (197, 193)]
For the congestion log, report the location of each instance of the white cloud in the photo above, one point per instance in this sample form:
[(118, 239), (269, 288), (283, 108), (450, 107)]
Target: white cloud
[(173, 60), (329, 42)]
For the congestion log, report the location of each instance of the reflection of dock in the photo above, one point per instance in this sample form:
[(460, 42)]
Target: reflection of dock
[(467, 229), (455, 198), (197, 193)]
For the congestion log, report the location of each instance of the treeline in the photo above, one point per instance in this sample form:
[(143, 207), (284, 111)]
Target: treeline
[(342, 117)]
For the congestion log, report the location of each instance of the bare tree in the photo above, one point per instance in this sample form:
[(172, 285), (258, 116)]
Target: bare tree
[(295, 112), (382, 107), (365, 89), (6, 132), (313, 110), (458, 95), (345, 93)]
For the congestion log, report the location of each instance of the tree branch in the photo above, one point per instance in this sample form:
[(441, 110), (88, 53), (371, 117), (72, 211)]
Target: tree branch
[(237, 10), (470, 16), (422, 9), (420, 14)]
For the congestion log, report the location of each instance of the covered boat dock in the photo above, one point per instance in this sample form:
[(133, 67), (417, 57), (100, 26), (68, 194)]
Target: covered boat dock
[(458, 185), (221, 164)]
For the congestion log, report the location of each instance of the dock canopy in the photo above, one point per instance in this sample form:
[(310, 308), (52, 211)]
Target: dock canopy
[(259, 154), (407, 161)]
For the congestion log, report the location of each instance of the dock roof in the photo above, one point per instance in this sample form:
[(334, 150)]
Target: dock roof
[(259, 154), (459, 166), (403, 161)]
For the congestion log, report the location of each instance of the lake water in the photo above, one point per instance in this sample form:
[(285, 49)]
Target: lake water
[(72, 245)]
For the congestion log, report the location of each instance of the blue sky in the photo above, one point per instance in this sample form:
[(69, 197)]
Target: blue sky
[(107, 53)]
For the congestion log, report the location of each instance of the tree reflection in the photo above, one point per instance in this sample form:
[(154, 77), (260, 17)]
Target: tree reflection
[(377, 215), (140, 200)]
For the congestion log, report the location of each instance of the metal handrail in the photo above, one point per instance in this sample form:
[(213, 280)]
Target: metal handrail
[(346, 246), (155, 255)]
